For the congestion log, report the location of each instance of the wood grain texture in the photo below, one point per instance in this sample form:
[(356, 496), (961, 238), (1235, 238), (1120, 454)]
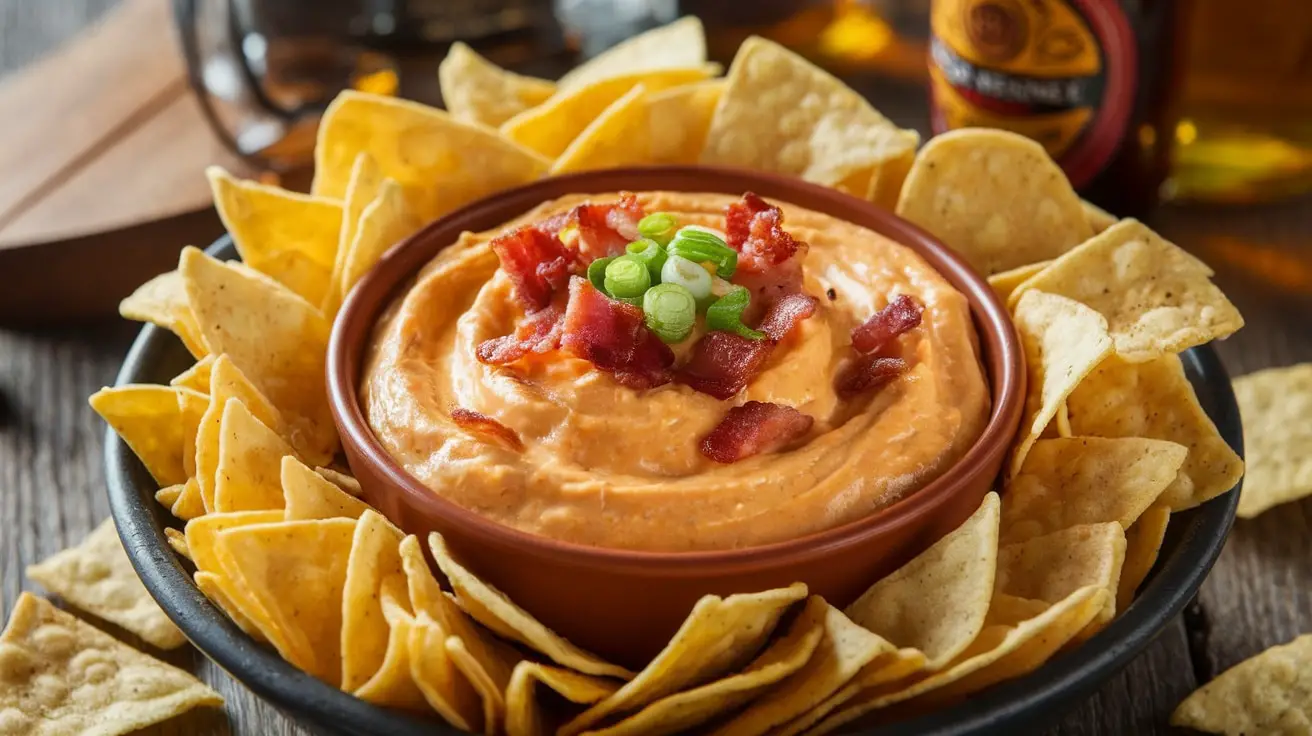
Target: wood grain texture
[(51, 476)]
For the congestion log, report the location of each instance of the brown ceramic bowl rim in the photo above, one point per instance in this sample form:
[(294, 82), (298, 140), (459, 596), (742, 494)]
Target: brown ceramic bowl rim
[(376, 291)]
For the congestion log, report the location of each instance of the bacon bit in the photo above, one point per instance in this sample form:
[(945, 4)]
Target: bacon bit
[(769, 259), (899, 316), (738, 218), (722, 363), (539, 333), (754, 428), (786, 313), (612, 336), (487, 429), (603, 229), (537, 263), (867, 372)]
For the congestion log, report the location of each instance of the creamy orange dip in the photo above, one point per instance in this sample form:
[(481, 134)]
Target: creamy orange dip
[(606, 465)]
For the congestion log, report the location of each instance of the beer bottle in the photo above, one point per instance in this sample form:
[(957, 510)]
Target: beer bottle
[(1091, 80)]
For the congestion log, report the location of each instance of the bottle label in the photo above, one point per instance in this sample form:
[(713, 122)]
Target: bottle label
[(1062, 72)]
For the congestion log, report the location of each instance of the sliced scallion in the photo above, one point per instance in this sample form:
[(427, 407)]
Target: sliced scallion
[(658, 226), (626, 278), (726, 314), (597, 272), (700, 245), (689, 275), (651, 254), (670, 311)]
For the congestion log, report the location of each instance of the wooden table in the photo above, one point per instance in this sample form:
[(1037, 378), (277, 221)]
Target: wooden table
[(1260, 594)]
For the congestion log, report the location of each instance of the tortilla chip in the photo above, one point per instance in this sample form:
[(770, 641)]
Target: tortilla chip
[(384, 223), (1157, 298), (781, 113), (936, 603), (1269, 693), (995, 197), (1099, 218), (168, 495), (493, 609), (197, 377), (344, 481), (680, 44), (1143, 542), (720, 636), (678, 119), (1276, 407), (1155, 399), (191, 407), (361, 190), (887, 181), (200, 536), (213, 587), (845, 649), (162, 301), (289, 236), (1087, 480), (491, 689), (63, 676), (190, 503), (146, 418), (441, 163), (392, 685), (365, 632), (226, 382), (1063, 340), (307, 495), (248, 475), (617, 137), (524, 718), (295, 571), (550, 128), (446, 690), (1051, 567), (97, 577), (998, 653), (885, 670), (474, 90), (1006, 282), (278, 340), (177, 541)]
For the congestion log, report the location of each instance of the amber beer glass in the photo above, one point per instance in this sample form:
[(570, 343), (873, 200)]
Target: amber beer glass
[(1092, 80)]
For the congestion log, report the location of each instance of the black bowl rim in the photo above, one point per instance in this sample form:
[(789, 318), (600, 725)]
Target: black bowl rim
[(1022, 703)]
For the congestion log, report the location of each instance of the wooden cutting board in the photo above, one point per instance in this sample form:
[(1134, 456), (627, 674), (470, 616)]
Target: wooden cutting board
[(103, 159)]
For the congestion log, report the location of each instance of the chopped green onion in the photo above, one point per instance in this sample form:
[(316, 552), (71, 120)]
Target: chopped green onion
[(699, 245), (670, 311), (689, 275), (597, 272), (726, 314), (650, 253), (627, 277), (658, 226)]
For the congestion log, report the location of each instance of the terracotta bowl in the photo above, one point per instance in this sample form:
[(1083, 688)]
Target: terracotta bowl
[(624, 605)]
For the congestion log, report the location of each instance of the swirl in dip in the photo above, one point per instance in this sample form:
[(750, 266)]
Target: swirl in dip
[(549, 443)]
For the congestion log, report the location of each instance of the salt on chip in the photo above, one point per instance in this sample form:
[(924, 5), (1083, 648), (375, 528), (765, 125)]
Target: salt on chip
[(384, 223), (995, 197), (845, 649), (226, 382), (392, 684), (719, 636), (365, 632), (291, 237), (493, 609), (361, 190), (679, 44), (1063, 341), (1143, 542), (64, 676), (308, 495), (936, 603), (549, 128), (441, 162), (1086, 480), (1276, 408), (162, 301), (524, 718), (1157, 298), (1268, 693), (277, 339), (1155, 399), (618, 136), (197, 377), (146, 418), (887, 669), (248, 475), (1051, 567), (1005, 282), (97, 577), (295, 571), (474, 90)]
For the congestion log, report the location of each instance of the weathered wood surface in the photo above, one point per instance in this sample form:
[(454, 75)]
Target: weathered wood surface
[(1260, 594)]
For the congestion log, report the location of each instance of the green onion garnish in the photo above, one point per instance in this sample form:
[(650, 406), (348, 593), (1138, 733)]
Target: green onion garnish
[(726, 314), (689, 275), (658, 226), (670, 311), (650, 253), (626, 278), (597, 272), (700, 245)]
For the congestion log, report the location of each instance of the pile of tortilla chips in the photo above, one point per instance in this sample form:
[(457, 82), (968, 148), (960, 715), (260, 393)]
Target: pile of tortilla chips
[(242, 443)]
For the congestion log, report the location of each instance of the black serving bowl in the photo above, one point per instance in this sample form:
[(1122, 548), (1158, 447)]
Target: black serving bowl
[(1193, 542)]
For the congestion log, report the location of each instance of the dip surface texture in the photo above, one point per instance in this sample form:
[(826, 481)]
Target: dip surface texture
[(605, 465)]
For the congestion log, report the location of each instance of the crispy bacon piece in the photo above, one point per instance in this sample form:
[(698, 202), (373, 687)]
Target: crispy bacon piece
[(769, 258), (537, 263), (612, 336), (722, 363), (487, 429), (754, 428), (602, 229), (539, 333), (787, 313), (899, 316), (867, 372)]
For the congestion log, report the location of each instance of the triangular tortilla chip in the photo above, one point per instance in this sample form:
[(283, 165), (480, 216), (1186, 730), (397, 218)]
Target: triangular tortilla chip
[(384, 223), (213, 587), (1051, 567), (97, 577), (1276, 408), (523, 715), (1270, 693), (308, 495), (1005, 282), (679, 44), (885, 670), (248, 476), (392, 685), (177, 541), (678, 119), (443, 685), (365, 632), (1143, 541), (191, 407), (441, 162), (197, 377), (64, 676), (936, 603), (162, 301), (887, 181), (474, 90), (146, 418), (190, 503), (361, 189), (168, 495), (226, 382), (618, 136), (200, 535), (490, 685)]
